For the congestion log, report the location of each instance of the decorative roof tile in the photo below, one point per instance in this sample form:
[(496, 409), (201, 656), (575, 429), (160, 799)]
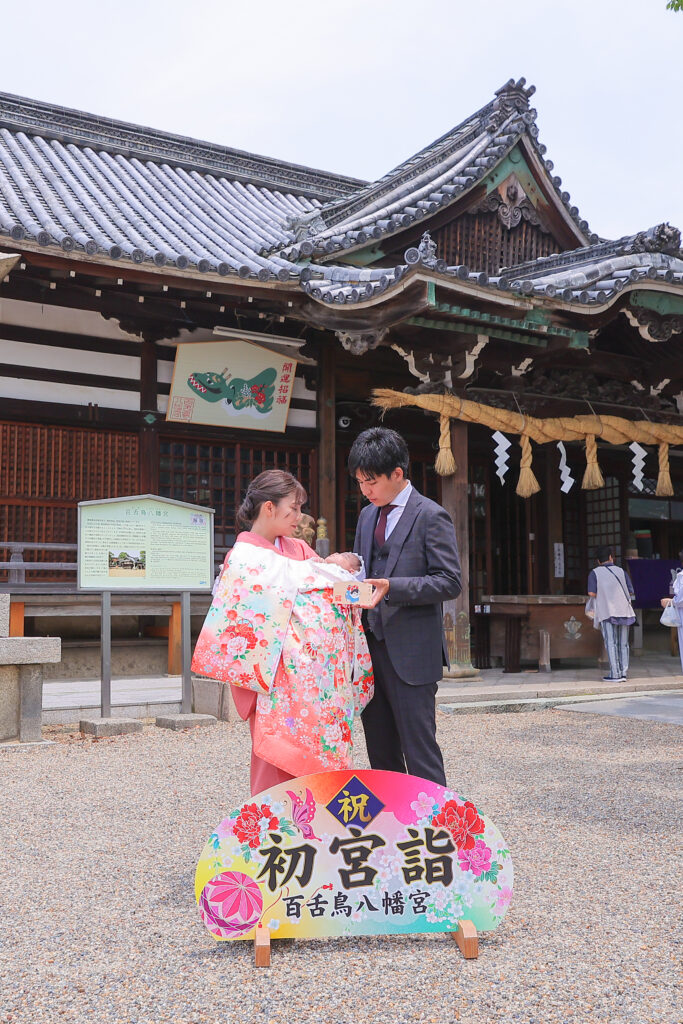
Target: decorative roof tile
[(589, 276), (437, 176), (118, 192)]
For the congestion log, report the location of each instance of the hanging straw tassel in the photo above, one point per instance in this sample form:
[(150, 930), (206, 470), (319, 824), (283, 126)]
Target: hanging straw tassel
[(592, 477), (445, 463), (664, 488), (527, 483)]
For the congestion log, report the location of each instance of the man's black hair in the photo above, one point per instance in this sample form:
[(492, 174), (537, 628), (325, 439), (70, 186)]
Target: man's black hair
[(603, 552), (378, 452)]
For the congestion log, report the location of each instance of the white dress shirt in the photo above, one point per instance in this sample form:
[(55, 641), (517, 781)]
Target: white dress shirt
[(399, 503)]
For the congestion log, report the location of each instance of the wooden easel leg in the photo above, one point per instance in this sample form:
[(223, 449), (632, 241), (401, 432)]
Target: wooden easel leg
[(262, 947), (466, 937)]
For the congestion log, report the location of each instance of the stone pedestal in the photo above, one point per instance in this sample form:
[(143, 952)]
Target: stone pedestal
[(210, 697), (178, 722), (21, 680)]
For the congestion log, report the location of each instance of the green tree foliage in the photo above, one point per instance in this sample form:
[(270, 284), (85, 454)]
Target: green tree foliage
[(675, 5)]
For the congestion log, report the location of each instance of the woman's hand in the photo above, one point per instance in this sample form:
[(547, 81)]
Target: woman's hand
[(665, 601)]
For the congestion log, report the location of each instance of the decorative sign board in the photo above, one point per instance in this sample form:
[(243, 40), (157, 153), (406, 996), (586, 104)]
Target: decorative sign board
[(144, 542), (353, 853), (231, 384)]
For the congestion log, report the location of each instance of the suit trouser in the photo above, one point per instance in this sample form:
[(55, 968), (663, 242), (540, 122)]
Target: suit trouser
[(400, 721)]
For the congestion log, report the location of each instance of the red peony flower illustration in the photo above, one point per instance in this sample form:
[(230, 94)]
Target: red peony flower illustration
[(462, 821), (242, 629), (247, 825)]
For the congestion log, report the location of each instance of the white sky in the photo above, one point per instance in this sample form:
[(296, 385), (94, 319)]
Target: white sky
[(356, 86)]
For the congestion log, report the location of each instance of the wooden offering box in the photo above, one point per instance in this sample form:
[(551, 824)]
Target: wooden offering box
[(517, 624)]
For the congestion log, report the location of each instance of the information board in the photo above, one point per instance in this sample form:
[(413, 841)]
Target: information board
[(353, 853), (231, 384), (144, 542)]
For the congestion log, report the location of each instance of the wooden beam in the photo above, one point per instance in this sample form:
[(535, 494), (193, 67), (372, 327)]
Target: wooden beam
[(176, 279), (454, 499), (63, 339), (327, 450), (149, 444), (92, 380), (552, 518)]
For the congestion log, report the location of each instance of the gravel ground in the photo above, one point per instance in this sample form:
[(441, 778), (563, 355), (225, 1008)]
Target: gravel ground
[(100, 841)]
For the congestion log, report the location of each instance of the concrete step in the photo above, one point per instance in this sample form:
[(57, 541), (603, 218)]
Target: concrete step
[(449, 693), (483, 707), (67, 701)]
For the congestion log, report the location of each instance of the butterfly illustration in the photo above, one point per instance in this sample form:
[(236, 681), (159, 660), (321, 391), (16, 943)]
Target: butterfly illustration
[(303, 813)]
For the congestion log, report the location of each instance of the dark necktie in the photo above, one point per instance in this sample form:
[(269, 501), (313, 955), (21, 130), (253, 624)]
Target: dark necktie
[(381, 528)]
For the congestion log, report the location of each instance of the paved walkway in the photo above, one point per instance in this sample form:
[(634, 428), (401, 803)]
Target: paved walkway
[(651, 671), (65, 701), (664, 707)]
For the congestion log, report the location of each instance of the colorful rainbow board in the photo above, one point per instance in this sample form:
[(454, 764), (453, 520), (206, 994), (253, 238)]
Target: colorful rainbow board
[(353, 853)]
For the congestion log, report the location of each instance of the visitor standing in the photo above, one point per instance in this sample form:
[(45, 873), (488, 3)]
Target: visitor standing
[(613, 592)]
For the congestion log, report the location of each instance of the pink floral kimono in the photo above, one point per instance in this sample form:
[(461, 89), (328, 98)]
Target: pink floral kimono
[(298, 662)]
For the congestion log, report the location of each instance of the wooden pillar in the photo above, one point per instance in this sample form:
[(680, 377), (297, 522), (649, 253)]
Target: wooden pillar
[(553, 520), (16, 618), (327, 455), (148, 471), (455, 500), (175, 661)]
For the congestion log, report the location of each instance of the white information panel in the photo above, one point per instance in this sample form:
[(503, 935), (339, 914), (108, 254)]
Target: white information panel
[(144, 542)]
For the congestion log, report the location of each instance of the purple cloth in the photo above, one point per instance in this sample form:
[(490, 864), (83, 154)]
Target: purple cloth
[(651, 578)]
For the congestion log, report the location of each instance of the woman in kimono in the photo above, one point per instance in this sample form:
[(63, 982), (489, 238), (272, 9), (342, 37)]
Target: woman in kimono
[(298, 663)]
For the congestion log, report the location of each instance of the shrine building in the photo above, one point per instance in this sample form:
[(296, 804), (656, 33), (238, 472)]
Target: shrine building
[(466, 274)]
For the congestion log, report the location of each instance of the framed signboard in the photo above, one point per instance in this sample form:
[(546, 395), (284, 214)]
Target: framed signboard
[(231, 383), (347, 852), (144, 542)]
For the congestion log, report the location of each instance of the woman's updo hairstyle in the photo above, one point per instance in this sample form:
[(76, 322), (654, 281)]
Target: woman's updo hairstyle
[(271, 485)]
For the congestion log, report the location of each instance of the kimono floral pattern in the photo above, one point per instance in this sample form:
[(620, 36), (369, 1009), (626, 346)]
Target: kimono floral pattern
[(274, 628)]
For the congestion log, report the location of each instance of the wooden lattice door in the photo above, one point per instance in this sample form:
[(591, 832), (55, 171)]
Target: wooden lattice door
[(46, 470)]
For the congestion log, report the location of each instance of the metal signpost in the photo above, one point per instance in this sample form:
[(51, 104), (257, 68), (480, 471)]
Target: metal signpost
[(139, 544)]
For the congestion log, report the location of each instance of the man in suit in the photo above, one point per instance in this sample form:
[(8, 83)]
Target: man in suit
[(411, 557)]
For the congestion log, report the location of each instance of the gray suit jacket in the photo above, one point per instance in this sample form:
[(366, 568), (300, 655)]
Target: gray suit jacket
[(424, 570)]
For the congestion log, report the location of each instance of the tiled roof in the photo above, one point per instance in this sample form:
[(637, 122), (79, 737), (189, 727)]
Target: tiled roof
[(435, 177), (590, 276), (116, 192), (102, 133), (81, 183)]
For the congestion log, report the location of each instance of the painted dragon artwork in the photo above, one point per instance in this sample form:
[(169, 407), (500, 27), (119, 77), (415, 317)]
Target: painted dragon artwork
[(256, 393)]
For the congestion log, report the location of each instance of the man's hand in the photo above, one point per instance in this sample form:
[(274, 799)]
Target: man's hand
[(381, 590)]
